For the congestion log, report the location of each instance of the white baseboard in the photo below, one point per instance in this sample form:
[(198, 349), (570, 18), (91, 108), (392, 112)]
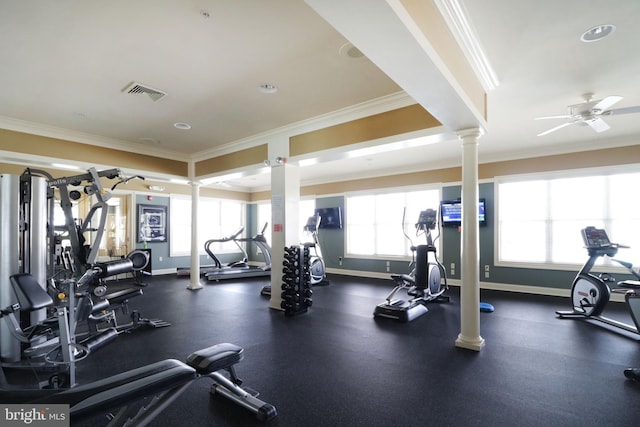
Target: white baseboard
[(506, 287)]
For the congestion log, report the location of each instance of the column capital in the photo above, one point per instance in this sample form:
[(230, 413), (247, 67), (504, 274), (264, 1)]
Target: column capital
[(471, 133)]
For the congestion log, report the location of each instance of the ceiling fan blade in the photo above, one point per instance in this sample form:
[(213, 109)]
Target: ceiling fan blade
[(597, 124), (606, 103), (626, 110), (566, 116), (555, 129)]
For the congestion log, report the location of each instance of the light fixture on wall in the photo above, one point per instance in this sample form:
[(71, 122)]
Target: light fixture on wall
[(277, 161), (156, 188)]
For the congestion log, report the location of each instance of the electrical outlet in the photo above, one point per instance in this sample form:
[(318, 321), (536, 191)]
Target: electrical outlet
[(486, 271), (388, 266), (339, 260), (160, 258)]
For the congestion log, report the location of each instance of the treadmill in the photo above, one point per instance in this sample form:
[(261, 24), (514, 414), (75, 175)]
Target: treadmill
[(241, 268)]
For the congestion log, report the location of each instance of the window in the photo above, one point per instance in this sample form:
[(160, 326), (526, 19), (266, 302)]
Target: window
[(375, 226), (216, 218), (539, 221)]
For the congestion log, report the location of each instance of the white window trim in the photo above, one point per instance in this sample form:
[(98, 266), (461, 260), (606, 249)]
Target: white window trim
[(389, 190), (545, 176), (201, 251)]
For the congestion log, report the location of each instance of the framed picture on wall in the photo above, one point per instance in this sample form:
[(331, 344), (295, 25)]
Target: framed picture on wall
[(153, 223)]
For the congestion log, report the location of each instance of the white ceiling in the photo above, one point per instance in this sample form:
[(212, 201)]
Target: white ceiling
[(64, 64)]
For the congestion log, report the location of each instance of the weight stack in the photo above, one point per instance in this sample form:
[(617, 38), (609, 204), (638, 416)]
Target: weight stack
[(296, 280)]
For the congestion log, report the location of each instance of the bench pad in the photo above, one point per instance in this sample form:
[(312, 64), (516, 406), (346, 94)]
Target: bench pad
[(215, 358)]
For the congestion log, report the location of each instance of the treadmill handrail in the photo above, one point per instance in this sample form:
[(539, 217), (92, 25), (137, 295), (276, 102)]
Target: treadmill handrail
[(233, 237)]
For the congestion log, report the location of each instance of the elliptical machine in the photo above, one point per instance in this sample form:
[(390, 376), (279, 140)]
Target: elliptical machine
[(426, 282), (590, 293)]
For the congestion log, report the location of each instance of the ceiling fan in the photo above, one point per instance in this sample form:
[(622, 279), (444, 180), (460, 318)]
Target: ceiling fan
[(589, 112)]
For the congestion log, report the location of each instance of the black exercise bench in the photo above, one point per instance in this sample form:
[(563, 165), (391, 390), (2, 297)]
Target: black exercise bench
[(164, 380)]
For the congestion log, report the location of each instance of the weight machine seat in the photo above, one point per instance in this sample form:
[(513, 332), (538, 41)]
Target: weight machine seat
[(31, 296), (215, 358), (123, 295)]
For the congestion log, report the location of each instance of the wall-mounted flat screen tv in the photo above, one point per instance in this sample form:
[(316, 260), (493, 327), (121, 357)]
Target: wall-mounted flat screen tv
[(330, 217), (451, 213)]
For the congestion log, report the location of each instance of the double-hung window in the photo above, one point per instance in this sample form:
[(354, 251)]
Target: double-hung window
[(539, 220), (376, 223), (216, 218)]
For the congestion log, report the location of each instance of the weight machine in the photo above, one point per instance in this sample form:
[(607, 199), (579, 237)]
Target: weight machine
[(41, 333)]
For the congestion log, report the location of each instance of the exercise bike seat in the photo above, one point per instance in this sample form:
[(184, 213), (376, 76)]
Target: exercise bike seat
[(31, 296), (215, 358)]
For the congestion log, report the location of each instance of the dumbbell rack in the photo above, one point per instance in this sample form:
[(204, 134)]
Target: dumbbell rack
[(296, 280)]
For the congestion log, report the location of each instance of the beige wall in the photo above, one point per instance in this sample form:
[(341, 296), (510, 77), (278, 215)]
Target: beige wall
[(394, 122), (580, 160), (58, 148), (242, 158)]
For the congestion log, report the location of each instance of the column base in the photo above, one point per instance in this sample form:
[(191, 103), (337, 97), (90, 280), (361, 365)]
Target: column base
[(194, 286), (475, 344)]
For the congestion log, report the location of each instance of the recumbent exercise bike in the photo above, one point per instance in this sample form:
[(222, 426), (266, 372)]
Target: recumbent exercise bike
[(590, 293)]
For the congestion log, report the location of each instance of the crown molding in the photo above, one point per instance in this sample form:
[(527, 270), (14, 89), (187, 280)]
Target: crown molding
[(354, 112), (455, 15)]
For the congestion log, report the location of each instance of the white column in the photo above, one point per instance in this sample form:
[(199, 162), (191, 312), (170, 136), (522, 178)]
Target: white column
[(194, 274), (469, 336), (285, 197)]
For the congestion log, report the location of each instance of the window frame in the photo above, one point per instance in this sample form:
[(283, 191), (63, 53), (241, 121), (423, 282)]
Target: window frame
[(605, 265), (173, 252), (390, 191)]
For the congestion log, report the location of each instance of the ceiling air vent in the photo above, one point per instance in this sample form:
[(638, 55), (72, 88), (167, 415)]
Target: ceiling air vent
[(140, 89)]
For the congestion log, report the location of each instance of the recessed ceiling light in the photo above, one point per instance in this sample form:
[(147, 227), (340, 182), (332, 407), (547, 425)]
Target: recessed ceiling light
[(348, 50), (149, 140), (268, 88), (182, 126), (597, 33)]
